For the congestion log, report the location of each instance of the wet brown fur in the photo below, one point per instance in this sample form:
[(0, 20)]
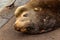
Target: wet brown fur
[(51, 8)]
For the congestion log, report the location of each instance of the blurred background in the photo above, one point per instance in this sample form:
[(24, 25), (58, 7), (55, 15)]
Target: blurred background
[(6, 13)]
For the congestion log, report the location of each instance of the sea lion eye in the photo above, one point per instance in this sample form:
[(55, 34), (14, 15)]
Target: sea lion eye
[(25, 15), (19, 11)]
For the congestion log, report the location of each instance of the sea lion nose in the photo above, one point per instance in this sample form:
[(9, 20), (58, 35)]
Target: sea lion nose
[(24, 28), (21, 29), (16, 28)]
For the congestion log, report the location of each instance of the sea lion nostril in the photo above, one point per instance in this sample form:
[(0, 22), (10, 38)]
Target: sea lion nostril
[(17, 28)]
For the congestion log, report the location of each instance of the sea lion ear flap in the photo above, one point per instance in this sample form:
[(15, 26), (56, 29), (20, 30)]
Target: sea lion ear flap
[(20, 10), (37, 9)]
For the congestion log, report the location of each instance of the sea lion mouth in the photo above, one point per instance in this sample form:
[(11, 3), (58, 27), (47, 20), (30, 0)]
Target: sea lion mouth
[(26, 30), (23, 30)]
